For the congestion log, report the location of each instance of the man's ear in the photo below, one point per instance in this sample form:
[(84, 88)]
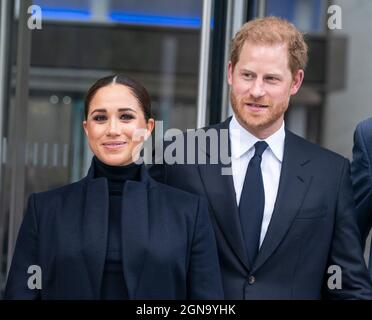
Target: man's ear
[(229, 73), (297, 81)]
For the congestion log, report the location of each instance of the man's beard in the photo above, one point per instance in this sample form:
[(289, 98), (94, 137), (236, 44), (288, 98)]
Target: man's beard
[(260, 121)]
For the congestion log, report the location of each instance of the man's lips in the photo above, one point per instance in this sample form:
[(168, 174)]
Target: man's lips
[(114, 144), (256, 106)]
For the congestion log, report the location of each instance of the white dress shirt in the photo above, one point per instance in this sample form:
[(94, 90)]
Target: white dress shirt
[(242, 150)]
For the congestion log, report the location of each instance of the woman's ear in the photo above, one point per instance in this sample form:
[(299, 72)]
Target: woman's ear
[(150, 126), (85, 127)]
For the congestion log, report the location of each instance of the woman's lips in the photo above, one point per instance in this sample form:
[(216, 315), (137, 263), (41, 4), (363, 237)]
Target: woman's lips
[(114, 145)]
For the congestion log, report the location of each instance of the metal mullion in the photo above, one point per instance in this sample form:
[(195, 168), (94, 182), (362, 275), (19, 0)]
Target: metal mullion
[(18, 128), (204, 64)]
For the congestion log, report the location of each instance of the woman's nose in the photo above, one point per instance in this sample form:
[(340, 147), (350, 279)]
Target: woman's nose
[(113, 128)]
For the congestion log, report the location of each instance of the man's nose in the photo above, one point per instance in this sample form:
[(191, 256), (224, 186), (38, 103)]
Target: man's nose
[(257, 89)]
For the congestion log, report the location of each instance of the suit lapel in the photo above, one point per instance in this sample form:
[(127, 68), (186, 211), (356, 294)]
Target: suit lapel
[(294, 183), (135, 230), (95, 225), (221, 195)]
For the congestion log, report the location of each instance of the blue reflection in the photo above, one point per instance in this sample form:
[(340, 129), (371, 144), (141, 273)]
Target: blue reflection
[(123, 17), (155, 20), (65, 14)]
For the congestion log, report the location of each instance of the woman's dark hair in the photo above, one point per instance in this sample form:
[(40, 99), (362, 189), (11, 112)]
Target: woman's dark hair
[(137, 89)]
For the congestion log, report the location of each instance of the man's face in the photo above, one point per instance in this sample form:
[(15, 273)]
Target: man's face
[(261, 85)]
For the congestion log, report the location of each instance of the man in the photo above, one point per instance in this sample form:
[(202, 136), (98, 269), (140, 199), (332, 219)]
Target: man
[(361, 174), (284, 220)]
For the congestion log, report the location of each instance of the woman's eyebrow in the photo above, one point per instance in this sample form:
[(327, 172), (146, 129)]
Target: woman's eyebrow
[(98, 110), (127, 109), (120, 110)]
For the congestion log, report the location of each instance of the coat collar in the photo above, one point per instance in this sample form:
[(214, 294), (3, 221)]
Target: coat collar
[(145, 178), (134, 228)]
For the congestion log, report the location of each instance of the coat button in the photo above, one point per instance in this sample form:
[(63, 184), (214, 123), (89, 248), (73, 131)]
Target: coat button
[(251, 280)]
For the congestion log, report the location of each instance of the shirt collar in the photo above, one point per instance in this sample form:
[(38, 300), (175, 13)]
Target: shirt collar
[(242, 140)]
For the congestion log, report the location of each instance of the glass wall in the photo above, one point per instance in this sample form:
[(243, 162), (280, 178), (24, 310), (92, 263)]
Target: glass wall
[(306, 110), (42, 144), (155, 42)]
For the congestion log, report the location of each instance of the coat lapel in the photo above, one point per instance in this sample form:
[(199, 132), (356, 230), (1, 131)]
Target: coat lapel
[(221, 195), (95, 225), (294, 183), (135, 230)]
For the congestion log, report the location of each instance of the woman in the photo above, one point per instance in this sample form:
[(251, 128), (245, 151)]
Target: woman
[(116, 234)]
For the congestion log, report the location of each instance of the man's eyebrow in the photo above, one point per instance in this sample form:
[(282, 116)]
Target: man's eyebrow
[(275, 75), (247, 70)]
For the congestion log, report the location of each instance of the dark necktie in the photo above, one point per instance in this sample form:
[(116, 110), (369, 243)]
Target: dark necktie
[(252, 203)]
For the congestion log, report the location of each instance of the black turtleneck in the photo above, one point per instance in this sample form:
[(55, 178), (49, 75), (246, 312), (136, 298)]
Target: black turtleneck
[(113, 283)]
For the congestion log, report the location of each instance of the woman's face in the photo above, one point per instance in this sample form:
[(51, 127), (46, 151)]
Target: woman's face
[(115, 121)]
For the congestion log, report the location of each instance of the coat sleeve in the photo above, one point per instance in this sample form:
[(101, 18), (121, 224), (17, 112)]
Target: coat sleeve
[(361, 173), (25, 255), (204, 277), (346, 249)]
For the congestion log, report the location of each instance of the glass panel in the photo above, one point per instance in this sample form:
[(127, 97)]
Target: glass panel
[(307, 15), (155, 42)]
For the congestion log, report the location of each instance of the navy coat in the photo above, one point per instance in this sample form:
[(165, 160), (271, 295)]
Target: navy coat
[(361, 173), (168, 245), (312, 231)]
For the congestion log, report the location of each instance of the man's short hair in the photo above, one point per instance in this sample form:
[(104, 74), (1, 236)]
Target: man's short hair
[(271, 31)]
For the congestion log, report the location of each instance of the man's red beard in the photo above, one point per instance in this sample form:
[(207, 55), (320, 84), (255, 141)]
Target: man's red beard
[(250, 120)]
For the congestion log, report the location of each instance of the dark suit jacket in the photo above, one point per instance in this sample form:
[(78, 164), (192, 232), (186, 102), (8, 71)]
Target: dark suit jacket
[(168, 246), (361, 173), (312, 227)]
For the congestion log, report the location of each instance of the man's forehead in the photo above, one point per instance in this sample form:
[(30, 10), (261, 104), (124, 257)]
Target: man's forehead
[(248, 45), (252, 52)]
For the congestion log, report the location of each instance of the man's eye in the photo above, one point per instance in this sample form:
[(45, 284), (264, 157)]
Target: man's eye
[(99, 118), (247, 75), (272, 79), (126, 117)]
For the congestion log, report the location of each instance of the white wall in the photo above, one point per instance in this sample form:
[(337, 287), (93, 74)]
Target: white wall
[(345, 109)]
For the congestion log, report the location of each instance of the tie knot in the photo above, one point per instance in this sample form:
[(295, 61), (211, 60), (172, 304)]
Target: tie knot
[(260, 147)]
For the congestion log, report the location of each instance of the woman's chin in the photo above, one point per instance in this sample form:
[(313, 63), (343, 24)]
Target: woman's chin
[(116, 160)]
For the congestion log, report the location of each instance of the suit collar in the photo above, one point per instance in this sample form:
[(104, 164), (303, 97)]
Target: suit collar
[(242, 140), (294, 183), (295, 180), (219, 186)]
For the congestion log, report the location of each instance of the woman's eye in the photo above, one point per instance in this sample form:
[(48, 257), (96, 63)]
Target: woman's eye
[(99, 118), (126, 117)]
